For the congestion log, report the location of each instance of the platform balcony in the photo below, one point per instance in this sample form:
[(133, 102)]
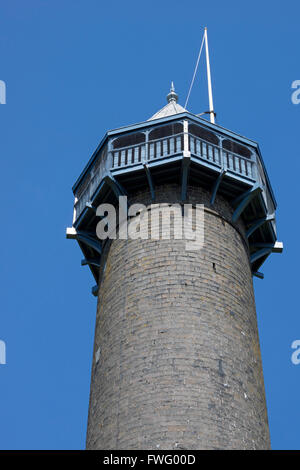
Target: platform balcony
[(188, 150)]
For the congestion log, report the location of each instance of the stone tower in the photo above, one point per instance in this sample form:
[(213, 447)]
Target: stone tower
[(177, 361)]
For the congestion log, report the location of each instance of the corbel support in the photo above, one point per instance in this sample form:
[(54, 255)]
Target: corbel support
[(276, 247), (216, 186), (84, 237), (259, 254), (243, 201), (90, 261), (258, 223), (95, 290), (150, 181), (116, 187), (258, 274), (90, 241)]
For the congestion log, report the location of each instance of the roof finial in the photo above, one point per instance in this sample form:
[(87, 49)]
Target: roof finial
[(172, 96)]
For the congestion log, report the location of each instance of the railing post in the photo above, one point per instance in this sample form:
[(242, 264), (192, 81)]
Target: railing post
[(186, 150), (110, 153), (146, 157), (75, 211), (223, 163), (254, 167)]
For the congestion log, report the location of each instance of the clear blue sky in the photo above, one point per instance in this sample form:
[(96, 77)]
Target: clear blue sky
[(73, 69)]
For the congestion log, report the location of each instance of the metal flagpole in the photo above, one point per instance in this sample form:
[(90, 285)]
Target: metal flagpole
[(195, 71), (210, 96)]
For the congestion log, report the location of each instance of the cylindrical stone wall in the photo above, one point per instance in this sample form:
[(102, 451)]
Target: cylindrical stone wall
[(177, 361)]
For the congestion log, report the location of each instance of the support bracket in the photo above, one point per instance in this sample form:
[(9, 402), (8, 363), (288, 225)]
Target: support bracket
[(90, 261), (95, 290), (216, 186), (116, 187), (243, 201), (258, 223), (258, 274), (276, 247), (84, 237), (90, 241), (150, 181), (259, 254)]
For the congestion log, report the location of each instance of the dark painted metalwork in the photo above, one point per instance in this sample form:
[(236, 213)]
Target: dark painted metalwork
[(181, 147), (216, 186)]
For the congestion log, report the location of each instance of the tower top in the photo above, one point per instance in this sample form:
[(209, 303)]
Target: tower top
[(171, 108), (153, 152)]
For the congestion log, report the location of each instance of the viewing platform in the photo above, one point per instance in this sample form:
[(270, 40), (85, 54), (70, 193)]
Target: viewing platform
[(176, 146)]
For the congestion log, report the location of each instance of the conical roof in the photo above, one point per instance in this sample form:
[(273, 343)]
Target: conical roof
[(171, 108)]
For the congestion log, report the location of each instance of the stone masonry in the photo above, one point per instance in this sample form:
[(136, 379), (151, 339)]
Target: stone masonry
[(177, 361)]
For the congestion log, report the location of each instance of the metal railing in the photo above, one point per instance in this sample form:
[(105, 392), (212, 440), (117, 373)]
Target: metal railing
[(127, 156), (205, 150), (165, 147), (222, 158), (87, 194), (151, 150), (238, 164)]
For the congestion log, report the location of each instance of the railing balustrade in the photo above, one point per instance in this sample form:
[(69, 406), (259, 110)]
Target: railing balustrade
[(238, 164), (222, 158), (158, 148), (127, 156), (205, 150), (165, 147), (88, 192)]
